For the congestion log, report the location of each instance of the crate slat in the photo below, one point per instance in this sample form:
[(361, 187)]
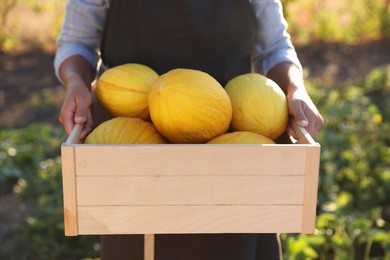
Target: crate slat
[(190, 159), (189, 219), (189, 190)]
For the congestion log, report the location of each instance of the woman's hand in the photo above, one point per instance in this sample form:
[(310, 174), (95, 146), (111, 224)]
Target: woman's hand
[(300, 105), (303, 110), (76, 108), (77, 75)]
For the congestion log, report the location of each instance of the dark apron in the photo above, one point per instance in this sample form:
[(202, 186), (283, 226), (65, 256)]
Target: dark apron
[(208, 35), (212, 36)]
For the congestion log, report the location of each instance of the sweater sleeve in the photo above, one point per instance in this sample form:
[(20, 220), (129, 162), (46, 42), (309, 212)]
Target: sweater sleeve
[(81, 31), (272, 44)]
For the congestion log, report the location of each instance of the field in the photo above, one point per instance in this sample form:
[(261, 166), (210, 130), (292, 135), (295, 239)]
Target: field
[(348, 79)]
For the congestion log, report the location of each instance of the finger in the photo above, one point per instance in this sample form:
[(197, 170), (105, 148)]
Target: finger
[(315, 120), (298, 113), (88, 126), (82, 110), (312, 130), (318, 121), (291, 131), (66, 118)]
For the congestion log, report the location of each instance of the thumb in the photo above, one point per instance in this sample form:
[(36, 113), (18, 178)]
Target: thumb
[(299, 115)]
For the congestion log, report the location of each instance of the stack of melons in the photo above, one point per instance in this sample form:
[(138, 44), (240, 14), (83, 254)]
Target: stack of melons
[(188, 106)]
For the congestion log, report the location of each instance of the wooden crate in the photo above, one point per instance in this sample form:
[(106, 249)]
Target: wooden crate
[(202, 188)]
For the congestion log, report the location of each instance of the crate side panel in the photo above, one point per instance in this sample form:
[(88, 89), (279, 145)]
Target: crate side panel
[(189, 219), (189, 190), (191, 160)]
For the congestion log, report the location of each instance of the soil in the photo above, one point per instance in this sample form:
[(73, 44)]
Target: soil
[(337, 62), (26, 78)]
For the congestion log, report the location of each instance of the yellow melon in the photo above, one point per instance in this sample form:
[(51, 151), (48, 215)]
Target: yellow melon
[(189, 106), (125, 130), (241, 137), (259, 105), (123, 90)]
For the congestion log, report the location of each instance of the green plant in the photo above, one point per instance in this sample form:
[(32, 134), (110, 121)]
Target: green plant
[(353, 200), (30, 167)]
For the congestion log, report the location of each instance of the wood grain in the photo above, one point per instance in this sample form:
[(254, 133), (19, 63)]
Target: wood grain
[(149, 246), (190, 160), (189, 219), (311, 190), (69, 191), (190, 190)]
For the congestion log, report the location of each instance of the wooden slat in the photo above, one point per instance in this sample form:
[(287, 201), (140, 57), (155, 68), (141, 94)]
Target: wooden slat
[(149, 246), (303, 136), (69, 191), (189, 219), (74, 136), (190, 160), (190, 190), (311, 189)]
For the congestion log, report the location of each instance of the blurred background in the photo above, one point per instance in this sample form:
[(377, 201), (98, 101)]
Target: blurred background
[(344, 47)]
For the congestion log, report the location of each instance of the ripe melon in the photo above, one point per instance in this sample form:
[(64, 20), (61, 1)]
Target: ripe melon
[(241, 137), (189, 106), (259, 105), (125, 130), (123, 90)]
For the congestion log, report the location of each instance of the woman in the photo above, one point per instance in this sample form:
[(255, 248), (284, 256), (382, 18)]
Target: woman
[(224, 38)]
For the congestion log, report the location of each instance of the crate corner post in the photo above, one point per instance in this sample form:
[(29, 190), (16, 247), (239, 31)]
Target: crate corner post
[(311, 189), (69, 190)]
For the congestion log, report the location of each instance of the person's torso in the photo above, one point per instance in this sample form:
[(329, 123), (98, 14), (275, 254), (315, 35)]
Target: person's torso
[(214, 36)]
